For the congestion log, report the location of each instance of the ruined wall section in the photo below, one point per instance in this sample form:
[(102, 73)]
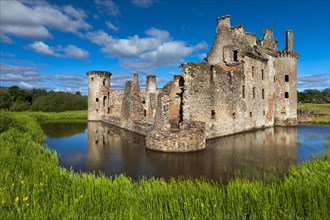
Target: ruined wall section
[(268, 40), (229, 101), (132, 117), (259, 92), (170, 133), (114, 110)]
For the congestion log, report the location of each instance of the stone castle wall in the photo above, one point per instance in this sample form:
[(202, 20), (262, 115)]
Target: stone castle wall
[(245, 84)]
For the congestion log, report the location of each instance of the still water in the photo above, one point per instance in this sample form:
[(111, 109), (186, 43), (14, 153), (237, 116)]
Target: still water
[(95, 146)]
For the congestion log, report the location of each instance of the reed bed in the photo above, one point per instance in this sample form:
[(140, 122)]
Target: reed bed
[(32, 186)]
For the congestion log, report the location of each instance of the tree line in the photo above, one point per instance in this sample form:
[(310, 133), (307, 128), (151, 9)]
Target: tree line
[(314, 96), (16, 99)]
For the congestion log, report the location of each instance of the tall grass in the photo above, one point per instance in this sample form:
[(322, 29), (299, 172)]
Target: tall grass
[(32, 186), (55, 116)]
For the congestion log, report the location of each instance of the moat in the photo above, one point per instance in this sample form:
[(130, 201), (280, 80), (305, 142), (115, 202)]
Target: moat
[(263, 154)]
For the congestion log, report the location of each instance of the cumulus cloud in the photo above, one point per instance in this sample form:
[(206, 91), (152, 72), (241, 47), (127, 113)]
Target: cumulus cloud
[(75, 52), (314, 81), (28, 77), (107, 7), (111, 26), (42, 48), (70, 51), (33, 20), (144, 53), (143, 3)]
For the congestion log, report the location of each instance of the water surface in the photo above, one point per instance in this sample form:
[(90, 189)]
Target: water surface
[(262, 154)]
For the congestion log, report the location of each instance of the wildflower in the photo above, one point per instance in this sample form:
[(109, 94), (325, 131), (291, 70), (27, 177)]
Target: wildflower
[(22, 181), (25, 198), (202, 205), (215, 205), (16, 199)]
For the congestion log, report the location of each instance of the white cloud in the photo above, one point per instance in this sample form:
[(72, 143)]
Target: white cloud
[(33, 20), (111, 26), (75, 52), (28, 77), (107, 7), (42, 48), (314, 81), (70, 51), (73, 12), (36, 33), (143, 3), (132, 46), (159, 34), (144, 53)]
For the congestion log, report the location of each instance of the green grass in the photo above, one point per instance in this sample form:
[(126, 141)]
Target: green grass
[(322, 109), (321, 120), (55, 116), (32, 186)]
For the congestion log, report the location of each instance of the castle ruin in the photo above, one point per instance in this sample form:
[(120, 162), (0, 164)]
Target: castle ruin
[(245, 84)]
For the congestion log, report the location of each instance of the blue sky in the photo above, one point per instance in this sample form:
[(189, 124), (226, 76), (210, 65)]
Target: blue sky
[(52, 44)]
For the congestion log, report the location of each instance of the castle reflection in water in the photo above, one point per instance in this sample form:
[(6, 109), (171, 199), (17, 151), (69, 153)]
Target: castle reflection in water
[(113, 151)]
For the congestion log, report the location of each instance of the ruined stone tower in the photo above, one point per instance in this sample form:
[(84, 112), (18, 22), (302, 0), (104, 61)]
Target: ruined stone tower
[(245, 84), (98, 94)]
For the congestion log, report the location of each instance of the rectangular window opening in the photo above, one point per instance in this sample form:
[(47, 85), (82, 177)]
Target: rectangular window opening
[(250, 114), (97, 99), (235, 55), (286, 78), (211, 72), (104, 98), (254, 92), (243, 92), (263, 112), (286, 95), (274, 78), (212, 114), (263, 93), (262, 74), (252, 71)]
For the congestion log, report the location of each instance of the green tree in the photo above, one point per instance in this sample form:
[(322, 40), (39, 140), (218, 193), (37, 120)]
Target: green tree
[(35, 93), (5, 99), (59, 101), (326, 95)]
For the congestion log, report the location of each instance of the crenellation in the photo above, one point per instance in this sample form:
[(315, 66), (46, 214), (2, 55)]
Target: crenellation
[(245, 84)]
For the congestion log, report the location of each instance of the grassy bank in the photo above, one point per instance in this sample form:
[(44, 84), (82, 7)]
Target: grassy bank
[(55, 116), (32, 186), (321, 109)]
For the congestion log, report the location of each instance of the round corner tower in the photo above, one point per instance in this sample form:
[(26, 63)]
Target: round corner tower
[(98, 94)]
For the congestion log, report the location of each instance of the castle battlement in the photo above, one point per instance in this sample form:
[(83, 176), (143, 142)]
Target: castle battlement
[(245, 84)]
